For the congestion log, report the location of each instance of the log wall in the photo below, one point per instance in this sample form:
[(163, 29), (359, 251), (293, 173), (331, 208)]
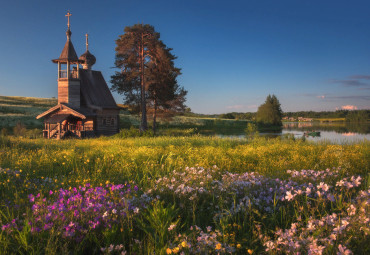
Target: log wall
[(107, 122), (69, 92)]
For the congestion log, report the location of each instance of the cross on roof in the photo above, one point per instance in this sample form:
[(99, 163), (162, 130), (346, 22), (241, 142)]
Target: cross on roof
[(68, 15), (87, 41)]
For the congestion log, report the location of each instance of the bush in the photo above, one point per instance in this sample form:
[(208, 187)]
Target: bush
[(251, 130), (19, 129), (3, 132), (134, 132)]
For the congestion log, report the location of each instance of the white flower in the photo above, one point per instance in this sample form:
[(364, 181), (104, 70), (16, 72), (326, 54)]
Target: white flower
[(289, 196), (136, 210), (114, 211)]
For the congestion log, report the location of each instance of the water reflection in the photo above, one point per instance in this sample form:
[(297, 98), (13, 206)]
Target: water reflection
[(339, 127), (332, 132)]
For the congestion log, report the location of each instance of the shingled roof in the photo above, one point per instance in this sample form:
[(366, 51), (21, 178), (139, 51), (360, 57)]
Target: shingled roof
[(68, 52), (95, 91)]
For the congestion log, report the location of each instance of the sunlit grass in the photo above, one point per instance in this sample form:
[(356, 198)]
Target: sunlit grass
[(201, 210)]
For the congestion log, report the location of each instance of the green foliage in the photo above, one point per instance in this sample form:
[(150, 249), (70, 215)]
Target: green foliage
[(358, 116), (157, 222), (251, 130), (229, 116), (43, 165), (19, 129), (3, 132), (147, 73), (270, 113), (134, 132)]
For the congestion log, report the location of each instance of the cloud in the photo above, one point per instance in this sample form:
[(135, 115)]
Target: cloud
[(349, 83), (360, 77), (362, 97), (349, 107), (321, 96), (361, 81)]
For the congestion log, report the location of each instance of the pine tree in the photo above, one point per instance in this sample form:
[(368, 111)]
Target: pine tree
[(148, 74), (133, 52), (164, 91)]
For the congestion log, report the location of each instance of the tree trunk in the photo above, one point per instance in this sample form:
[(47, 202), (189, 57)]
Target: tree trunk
[(144, 123), (155, 116)]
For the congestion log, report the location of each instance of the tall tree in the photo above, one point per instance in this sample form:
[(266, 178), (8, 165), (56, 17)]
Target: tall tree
[(164, 91), (270, 112), (133, 52), (148, 73)]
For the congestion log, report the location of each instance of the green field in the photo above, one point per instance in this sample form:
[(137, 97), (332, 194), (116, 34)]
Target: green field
[(183, 193)]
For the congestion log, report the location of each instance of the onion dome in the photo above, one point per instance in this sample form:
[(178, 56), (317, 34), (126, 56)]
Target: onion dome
[(88, 59)]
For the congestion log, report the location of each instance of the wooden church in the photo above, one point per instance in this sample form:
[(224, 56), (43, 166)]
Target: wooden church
[(86, 107)]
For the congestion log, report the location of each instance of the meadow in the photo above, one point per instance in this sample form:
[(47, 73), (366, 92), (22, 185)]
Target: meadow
[(183, 195), (178, 192)]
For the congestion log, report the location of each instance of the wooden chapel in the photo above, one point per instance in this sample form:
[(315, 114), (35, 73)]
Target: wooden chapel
[(86, 107)]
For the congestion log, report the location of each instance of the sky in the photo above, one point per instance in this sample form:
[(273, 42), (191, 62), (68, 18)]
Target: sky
[(313, 55)]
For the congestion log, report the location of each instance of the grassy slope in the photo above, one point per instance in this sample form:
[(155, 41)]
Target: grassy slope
[(24, 110)]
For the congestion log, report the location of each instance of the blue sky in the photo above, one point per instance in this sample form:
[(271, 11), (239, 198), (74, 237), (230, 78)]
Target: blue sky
[(313, 55)]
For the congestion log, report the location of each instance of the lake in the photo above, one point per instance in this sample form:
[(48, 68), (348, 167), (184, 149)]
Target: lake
[(336, 132)]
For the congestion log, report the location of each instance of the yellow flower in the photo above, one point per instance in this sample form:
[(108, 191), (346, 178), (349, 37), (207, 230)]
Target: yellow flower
[(250, 251), (176, 250), (238, 246), (184, 244), (168, 251), (218, 246)]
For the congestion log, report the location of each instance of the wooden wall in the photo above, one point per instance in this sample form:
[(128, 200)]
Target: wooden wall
[(69, 92), (107, 122)]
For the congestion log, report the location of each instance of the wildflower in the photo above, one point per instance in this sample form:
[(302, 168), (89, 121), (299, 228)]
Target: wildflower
[(351, 210), (184, 244), (175, 250), (250, 251), (169, 251), (218, 246), (342, 250), (289, 196), (238, 246), (171, 227), (136, 210)]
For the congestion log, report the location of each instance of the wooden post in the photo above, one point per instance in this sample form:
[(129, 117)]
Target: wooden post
[(59, 130), (59, 70), (68, 71), (48, 130), (78, 73)]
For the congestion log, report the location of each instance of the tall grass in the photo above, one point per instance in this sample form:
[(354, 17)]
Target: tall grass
[(196, 210)]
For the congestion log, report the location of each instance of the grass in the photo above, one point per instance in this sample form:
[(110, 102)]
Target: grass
[(39, 166), (125, 193)]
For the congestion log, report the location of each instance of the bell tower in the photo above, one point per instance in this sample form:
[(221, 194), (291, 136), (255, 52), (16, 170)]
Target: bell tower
[(68, 73)]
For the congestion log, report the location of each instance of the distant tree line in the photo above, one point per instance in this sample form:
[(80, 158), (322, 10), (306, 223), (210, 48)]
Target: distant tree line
[(350, 116)]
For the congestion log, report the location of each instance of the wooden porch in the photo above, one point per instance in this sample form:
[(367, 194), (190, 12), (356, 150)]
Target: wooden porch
[(64, 125)]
